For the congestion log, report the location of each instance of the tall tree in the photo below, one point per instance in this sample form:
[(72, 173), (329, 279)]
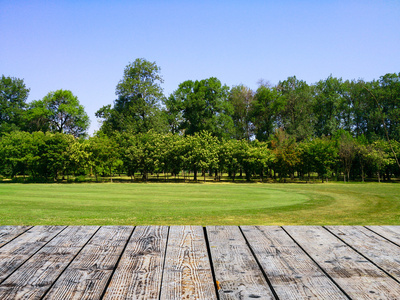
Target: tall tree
[(241, 98), (389, 98), (263, 112), (295, 113), (59, 111), (328, 106), (13, 96), (203, 105), (138, 106)]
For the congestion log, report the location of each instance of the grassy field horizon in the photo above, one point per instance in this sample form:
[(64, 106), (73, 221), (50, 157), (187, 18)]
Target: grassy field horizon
[(200, 204)]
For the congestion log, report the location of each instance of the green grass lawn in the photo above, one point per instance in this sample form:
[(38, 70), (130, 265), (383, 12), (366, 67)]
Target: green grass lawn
[(199, 204)]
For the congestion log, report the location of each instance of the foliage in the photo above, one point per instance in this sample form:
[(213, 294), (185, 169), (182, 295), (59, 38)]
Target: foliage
[(201, 106), (56, 156), (286, 152), (201, 152), (13, 96), (242, 98), (137, 108), (59, 111), (319, 155), (295, 102), (264, 112), (104, 156)]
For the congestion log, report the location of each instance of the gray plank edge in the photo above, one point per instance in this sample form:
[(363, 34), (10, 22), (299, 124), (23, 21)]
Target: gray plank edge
[(139, 272), (88, 274), (378, 250), (391, 233), (19, 250), (358, 277), (236, 270), (8, 233), (292, 273), (187, 270), (37, 274)]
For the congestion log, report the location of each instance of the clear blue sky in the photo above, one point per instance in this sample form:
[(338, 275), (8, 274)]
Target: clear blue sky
[(84, 46)]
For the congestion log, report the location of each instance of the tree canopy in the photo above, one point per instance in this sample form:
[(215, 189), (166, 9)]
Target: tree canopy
[(138, 104), (13, 96), (202, 106), (59, 111)]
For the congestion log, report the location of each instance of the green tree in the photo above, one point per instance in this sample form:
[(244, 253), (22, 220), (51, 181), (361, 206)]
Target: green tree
[(104, 155), (13, 96), (347, 151), (174, 159), (138, 106), (287, 154), (389, 98), (264, 112), (229, 157), (319, 155), (356, 108), (16, 153), (59, 111), (77, 157), (201, 152), (328, 106), (379, 157), (53, 153), (241, 98), (202, 106), (295, 114), (146, 152), (258, 160)]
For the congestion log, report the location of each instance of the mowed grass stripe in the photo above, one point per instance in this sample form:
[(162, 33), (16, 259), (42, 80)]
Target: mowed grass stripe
[(200, 204)]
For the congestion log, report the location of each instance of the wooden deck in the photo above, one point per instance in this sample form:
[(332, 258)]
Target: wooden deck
[(192, 262)]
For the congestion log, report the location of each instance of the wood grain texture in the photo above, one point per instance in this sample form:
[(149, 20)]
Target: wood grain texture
[(88, 274), (292, 274), (139, 272), (35, 277), (7, 233), (16, 252), (187, 270), (380, 251), (235, 268), (358, 277), (392, 233)]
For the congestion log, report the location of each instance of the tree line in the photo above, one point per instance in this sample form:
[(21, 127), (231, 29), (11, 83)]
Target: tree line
[(42, 156), (282, 129)]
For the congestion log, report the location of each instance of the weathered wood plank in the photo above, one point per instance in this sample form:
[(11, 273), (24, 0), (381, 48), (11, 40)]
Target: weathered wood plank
[(35, 277), (358, 277), (139, 272), (380, 251), (16, 252), (292, 274), (391, 233), (7, 233), (187, 270), (88, 274), (236, 270)]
